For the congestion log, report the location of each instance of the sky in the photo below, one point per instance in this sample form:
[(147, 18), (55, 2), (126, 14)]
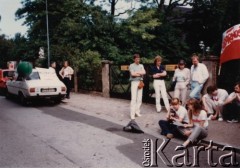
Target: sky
[(10, 26), (8, 23)]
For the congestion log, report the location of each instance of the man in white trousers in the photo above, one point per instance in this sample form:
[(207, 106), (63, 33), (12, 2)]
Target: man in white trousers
[(159, 74), (136, 75)]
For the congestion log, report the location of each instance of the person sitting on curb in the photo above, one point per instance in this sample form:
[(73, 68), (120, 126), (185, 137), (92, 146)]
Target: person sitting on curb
[(198, 123), (213, 102), (232, 105), (178, 114)]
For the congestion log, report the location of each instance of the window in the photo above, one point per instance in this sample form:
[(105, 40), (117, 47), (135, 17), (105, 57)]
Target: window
[(8, 73), (33, 76)]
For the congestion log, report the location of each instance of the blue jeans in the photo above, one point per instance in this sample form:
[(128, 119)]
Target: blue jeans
[(196, 90), (167, 127)]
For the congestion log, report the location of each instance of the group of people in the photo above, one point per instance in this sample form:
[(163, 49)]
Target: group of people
[(189, 118), (65, 74)]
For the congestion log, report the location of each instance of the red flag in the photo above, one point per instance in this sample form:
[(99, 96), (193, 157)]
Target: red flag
[(231, 44)]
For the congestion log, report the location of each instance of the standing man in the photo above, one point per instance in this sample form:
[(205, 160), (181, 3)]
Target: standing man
[(136, 75), (66, 74), (159, 74), (199, 75)]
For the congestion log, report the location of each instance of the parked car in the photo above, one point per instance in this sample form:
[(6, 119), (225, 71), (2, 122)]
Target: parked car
[(5, 75), (41, 83)]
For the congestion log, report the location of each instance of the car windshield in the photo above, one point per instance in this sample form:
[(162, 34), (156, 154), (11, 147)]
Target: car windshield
[(33, 76), (8, 74)]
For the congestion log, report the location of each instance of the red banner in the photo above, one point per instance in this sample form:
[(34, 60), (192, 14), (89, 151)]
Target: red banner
[(231, 44)]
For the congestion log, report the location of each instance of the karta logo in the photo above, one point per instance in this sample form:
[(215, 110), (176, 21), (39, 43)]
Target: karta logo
[(154, 151)]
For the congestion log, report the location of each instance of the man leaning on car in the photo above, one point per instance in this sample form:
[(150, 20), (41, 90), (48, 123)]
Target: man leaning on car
[(66, 73)]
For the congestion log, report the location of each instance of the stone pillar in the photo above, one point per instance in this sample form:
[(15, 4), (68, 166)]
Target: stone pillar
[(105, 78), (211, 63)]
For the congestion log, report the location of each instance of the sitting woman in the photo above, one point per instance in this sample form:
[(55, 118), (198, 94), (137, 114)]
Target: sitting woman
[(198, 123)]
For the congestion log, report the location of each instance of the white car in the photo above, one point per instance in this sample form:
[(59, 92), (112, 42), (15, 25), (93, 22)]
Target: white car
[(41, 83)]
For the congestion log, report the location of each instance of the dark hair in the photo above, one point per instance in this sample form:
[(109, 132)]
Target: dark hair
[(197, 106), (238, 83), (136, 56), (211, 89)]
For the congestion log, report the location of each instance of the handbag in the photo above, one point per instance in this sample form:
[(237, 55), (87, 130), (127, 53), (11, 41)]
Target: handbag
[(140, 85)]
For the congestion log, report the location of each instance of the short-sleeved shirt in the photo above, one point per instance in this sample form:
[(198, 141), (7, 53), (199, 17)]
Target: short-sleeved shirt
[(182, 75), (156, 70), (201, 117), (134, 68), (221, 96), (182, 113), (233, 96)]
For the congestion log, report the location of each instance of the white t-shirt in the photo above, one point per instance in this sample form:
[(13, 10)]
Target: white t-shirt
[(182, 75), (201, 117), (235, 96), (182, 113), (220, 98)]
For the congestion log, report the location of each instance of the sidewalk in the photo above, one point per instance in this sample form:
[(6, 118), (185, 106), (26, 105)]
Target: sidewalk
[(117, 110)]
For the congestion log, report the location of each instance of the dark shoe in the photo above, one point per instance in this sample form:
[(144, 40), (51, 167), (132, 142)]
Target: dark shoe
[(181, 147)]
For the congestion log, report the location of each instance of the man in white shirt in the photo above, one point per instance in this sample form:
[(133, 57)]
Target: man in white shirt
[(177, 115), (66, 73), (213, 102), (199, 75)]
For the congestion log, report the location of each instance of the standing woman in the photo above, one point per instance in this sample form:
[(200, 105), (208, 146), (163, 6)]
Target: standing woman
[(159, 73), (182, 78), (136, 75), (198, 123)]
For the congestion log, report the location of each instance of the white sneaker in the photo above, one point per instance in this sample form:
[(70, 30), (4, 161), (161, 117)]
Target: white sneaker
[(138, 115), (234, 121), (229, 121), (220, 119)]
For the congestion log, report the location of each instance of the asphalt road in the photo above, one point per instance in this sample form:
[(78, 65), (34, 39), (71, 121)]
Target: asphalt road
[(46, 135)]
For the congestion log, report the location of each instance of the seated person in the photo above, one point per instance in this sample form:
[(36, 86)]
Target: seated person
[(232, 105), (198, 123), (213, 102), (177, 114)]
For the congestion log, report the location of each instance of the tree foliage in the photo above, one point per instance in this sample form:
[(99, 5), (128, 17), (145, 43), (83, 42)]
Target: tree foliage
[(78, 28)]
